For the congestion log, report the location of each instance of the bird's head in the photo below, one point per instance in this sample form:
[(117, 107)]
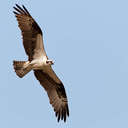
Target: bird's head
[(49, 62)]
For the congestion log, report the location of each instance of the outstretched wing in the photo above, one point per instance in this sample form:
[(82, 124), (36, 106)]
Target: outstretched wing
[(55, 91), (31, 33)]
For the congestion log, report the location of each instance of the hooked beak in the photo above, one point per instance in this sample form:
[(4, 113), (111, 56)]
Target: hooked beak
[(50, 61)]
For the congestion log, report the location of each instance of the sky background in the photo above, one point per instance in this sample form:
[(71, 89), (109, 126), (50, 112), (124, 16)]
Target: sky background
[(88, 40)]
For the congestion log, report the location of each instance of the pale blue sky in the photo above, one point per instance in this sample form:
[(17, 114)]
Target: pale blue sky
[(88, 40)]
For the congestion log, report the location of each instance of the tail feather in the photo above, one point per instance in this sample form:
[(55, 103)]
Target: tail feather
[(21, 68)]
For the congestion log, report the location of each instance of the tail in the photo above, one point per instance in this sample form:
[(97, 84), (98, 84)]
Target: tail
[(21, 68)]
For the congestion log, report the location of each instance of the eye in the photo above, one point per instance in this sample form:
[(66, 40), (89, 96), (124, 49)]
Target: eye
[(47, 62)]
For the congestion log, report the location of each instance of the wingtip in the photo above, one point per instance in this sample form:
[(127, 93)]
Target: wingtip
[(23, 6), (15, 12), (67, 111), (16, 5), (59, 116), (26, 10), (63, 115)]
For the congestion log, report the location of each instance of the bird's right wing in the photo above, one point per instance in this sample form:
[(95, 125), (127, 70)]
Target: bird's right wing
[(56, 93), (31, 33)]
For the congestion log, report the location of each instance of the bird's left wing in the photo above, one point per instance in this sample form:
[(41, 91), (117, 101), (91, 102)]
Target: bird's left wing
[(31, 33), (55, 91)]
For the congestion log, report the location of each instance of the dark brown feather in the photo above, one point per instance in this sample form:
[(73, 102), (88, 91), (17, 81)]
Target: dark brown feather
[(56, 94), (29, 29), (26, 10), (23, 11)]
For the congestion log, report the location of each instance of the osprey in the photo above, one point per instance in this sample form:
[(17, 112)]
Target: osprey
[(39, 62)]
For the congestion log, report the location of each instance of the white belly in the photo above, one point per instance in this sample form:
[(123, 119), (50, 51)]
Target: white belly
[(39, 63)]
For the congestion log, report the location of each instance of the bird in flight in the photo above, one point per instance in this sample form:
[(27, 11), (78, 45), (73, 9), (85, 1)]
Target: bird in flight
[(38, 62)]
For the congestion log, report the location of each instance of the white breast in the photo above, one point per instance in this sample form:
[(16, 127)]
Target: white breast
[(39, 63)]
